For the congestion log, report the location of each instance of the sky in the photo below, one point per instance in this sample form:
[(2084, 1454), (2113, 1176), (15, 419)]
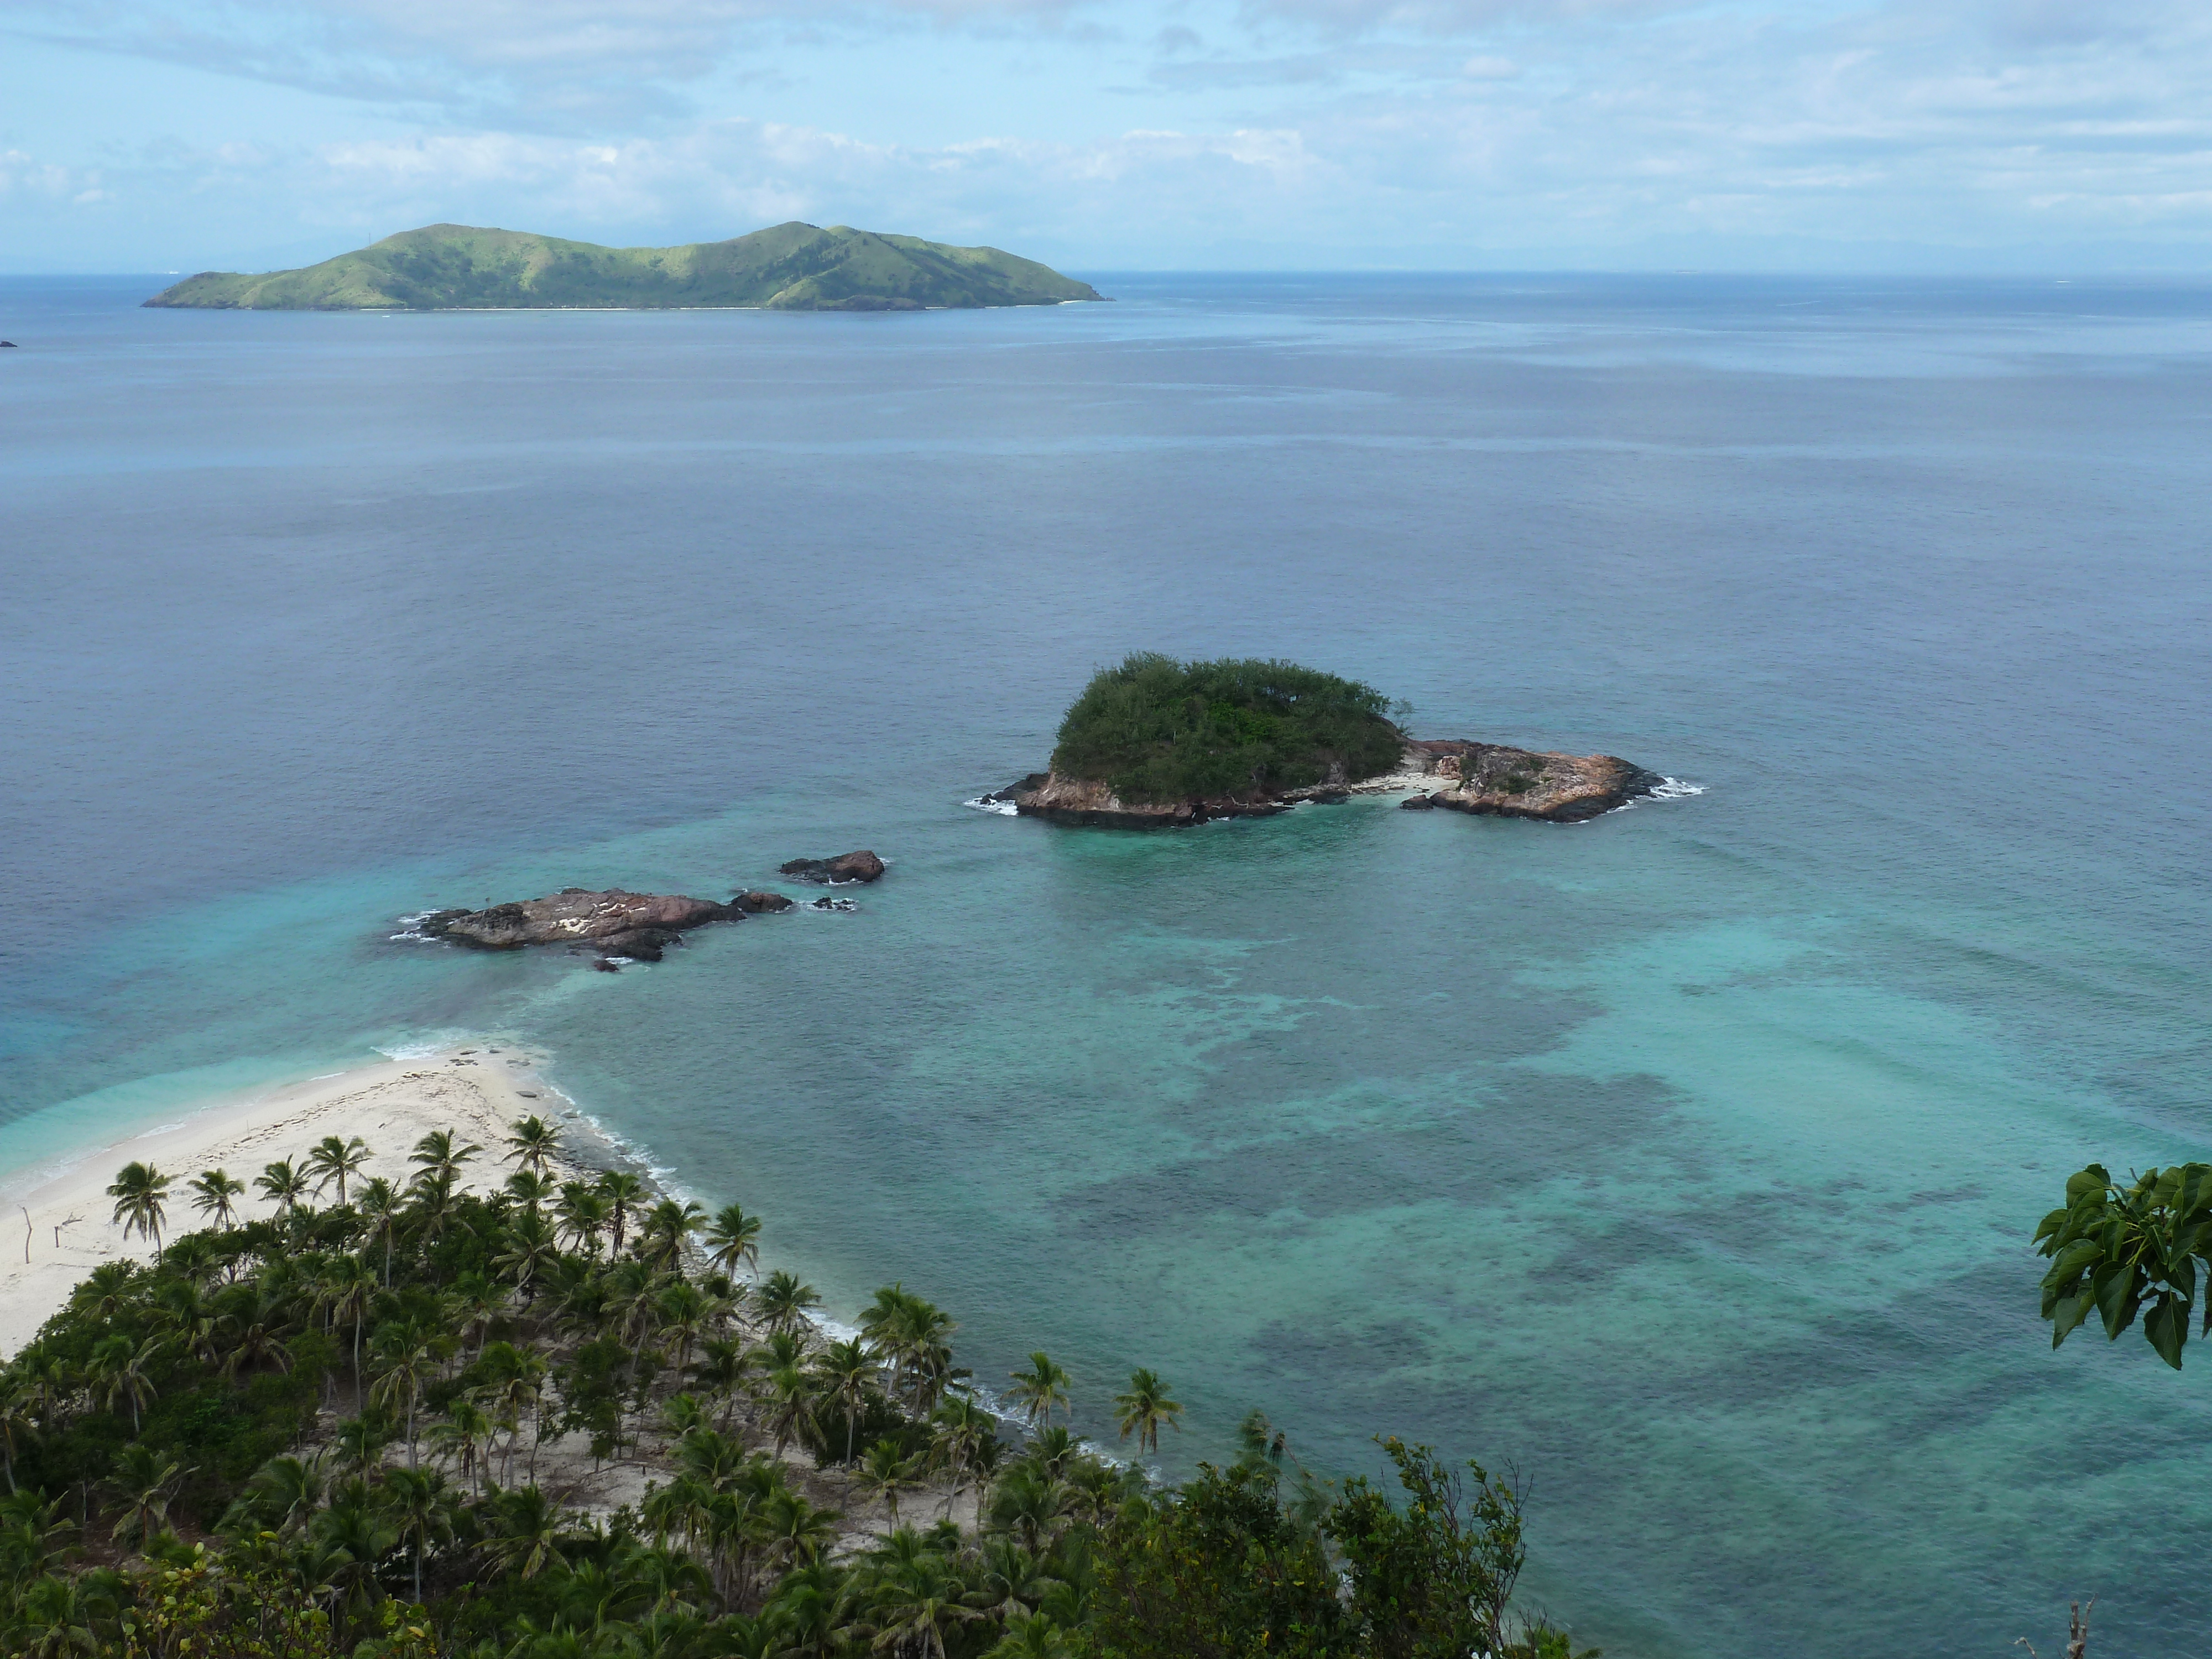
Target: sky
[(1940, 136)]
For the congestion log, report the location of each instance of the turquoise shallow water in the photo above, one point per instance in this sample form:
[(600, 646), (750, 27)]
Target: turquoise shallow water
[(1684, 1158)]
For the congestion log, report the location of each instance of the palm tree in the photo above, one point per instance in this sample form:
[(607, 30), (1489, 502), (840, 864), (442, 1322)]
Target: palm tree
[(189, 1316), (60, 1617), (581, 1212), (530, 1249), (212, 1191), (1038, 1637), (1144, 1408), (791, 1406), (843, 1371), (1101, 1488), (884, 1474), (361, 1442), (735, 1237), (409, 1358), (477, 1302), (281, 1185), (104, 1290), (15, 1419), (624, 1192), (913, 1336), (438, 1156), (432, 1205), (528, 1526), (1029, 1502), (193, 1258), (631, 1287), (794, 1531), (120, 1371), (351, 1524), (462, 1436), (142, 1478), (138, 1190), (529, 1189), (915, 1603), (812, 1607), (347, 1283), (1040, 1387), (1014, 1581), (963, 1430), (782, 1302), (1053, 1450), (513, 1378), (334, 1160), (534, 1145), (684, 1310), (723, 1366), (379, 1212), (258, 1317), (421, 1512), (660, 1240), (288, 1490)]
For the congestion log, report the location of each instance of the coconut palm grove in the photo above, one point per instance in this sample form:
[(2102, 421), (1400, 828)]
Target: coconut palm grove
[(540, 1418)]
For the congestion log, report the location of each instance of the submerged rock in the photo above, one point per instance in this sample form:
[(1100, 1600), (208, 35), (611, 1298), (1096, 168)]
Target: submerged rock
[(614, 923), (833, 904), (862, 866)]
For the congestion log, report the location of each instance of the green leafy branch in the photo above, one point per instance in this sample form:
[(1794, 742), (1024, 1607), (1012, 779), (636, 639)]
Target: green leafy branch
[(2120, 1251)]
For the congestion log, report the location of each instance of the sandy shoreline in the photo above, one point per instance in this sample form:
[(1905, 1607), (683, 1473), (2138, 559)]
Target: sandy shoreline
[(475, 1089)]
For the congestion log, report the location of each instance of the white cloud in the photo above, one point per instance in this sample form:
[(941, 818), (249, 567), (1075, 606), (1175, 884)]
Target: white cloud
[(22, 175), (1968, 123)]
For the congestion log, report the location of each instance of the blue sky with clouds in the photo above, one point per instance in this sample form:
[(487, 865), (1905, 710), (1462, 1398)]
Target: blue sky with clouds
[(1946, 135)]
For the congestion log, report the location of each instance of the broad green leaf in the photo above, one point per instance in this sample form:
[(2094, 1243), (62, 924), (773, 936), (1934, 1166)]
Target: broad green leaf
[(2069, 1311), (2166, 1324), (2118, 1293), (2091, 1179)]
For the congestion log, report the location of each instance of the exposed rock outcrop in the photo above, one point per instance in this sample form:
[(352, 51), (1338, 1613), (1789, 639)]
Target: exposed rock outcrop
[(754, 902), (1091, 802), (1484, 777), (1494, 781), (862, 866), (614, 923)]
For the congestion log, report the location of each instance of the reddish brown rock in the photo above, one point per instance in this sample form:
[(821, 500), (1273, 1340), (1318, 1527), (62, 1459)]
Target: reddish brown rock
[(754, 902), (862, 866), (1492, 780), (1091, 802), (645, 921), (1485, 778)]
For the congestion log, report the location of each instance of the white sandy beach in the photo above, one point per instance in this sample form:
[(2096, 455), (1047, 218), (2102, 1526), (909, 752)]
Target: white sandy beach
[(58, 1213)]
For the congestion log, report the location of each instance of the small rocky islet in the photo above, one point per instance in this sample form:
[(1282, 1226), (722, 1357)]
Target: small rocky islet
[(1157, 744), (614, 923)]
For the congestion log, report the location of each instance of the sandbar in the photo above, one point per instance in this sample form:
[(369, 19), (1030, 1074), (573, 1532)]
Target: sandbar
[(56, 1222)]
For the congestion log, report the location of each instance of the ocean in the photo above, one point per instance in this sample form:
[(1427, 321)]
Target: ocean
[(1684, 1160)]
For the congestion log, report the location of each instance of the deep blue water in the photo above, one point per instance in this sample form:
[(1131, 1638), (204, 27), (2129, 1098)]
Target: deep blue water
[(1686, 1159)]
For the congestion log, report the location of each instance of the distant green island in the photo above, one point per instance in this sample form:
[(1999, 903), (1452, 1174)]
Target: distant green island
[(790, 267)]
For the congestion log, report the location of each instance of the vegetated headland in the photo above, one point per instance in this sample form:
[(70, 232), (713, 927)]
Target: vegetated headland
[(788, 267), (458, 1391), (1153, 742)]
